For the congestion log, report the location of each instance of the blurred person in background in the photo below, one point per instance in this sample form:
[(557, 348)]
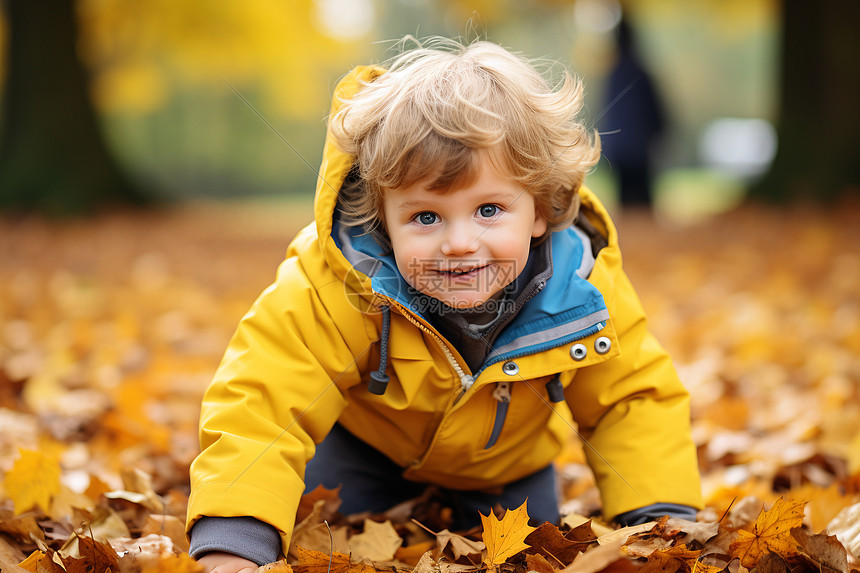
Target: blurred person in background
[(633, 120)]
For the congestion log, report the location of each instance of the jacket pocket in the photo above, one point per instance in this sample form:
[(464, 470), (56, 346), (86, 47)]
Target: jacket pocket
[(502, 395)]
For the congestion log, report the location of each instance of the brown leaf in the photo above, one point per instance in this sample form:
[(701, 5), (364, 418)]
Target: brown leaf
[(506, 537), (771, 532), (20, 527), (317, 562), (85, 555), (561, 550), (537, 562), (772, 563), (586, 532), (575, 521), (310, 502), (824, 550), (673, 559)]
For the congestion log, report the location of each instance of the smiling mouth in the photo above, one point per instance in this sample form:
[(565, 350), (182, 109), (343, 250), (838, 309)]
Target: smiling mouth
[(462, 272)]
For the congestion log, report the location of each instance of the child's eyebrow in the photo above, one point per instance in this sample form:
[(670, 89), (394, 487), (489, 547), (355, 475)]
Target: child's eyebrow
[(414, 204)]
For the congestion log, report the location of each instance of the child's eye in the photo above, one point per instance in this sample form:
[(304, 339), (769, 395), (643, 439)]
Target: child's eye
[(426, 218), (488, 211)]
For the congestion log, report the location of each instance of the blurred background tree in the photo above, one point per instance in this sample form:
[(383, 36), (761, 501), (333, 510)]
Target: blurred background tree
[(52, 155), (157, 72), (819, 121)]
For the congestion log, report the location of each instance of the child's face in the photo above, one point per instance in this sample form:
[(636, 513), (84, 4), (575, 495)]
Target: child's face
[(463, 246)]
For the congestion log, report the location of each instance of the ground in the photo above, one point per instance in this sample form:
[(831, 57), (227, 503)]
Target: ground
[(111, 327)]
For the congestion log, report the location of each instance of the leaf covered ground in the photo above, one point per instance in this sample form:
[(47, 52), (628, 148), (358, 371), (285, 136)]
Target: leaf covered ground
[(110, 329)]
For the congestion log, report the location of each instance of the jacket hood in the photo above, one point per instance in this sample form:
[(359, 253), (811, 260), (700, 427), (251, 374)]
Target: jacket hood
[(333, 171), (567, 308)]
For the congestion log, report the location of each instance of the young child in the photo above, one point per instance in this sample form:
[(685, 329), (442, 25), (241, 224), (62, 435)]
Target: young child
[(458, 287)]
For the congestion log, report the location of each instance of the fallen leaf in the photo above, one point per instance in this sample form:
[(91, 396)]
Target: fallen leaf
[(623, 533), (691, 530), (138, 481), (548, 540), (323, 501), (414, 553), (170, 526), (426, 564), (673, 559), (506, 537), (537, 562), (459, 546), (378, 542), (20, 527), (823, 550), (574, 520), (772, 563), (320, 537), (314, 534), (597, 558), (152, 545), (771, 532), (86, 555), (586, 532), (318, 562), (172, 563), (646, 547), (33, 480), (846, 527), (39, 562)]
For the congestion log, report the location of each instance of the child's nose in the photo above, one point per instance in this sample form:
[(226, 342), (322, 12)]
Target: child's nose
[(460, 239)]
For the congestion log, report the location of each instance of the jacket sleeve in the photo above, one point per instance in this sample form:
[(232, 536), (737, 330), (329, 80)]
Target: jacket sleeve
[(633, 411), (277, 392)]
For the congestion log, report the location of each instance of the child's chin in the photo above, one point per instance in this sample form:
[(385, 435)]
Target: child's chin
[(462, 303)]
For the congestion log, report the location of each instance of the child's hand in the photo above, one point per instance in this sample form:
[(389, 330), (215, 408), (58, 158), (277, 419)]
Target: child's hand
[(226, 563)]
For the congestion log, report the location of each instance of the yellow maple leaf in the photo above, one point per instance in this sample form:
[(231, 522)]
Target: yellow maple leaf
[(40, 562), (505, 537), (771, 532), (33, 480)]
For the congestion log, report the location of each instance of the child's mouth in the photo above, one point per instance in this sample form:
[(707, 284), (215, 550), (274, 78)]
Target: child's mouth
[(463, 273)]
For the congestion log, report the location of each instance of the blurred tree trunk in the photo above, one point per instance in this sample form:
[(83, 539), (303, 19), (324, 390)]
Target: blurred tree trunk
[(819, 121), (52, 154)]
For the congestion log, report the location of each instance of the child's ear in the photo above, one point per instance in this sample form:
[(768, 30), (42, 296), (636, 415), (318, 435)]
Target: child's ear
[(540, 225)]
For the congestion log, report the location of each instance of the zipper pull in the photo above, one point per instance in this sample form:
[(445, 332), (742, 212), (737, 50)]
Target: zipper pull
[(555, 390), (502, 393), (466, 381)]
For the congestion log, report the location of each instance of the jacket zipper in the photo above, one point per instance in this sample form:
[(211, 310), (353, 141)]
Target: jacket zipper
[(466, 380)]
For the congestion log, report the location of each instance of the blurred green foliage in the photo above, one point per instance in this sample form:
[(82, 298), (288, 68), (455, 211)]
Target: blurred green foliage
[(160, 70)]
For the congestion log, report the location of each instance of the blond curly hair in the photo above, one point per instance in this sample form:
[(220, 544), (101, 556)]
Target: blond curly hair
[(440, 105)]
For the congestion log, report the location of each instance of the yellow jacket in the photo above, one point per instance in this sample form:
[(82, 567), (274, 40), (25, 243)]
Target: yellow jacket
[(301, 358)]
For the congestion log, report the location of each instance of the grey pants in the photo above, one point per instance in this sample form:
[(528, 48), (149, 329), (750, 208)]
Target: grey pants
[(371, 482)]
